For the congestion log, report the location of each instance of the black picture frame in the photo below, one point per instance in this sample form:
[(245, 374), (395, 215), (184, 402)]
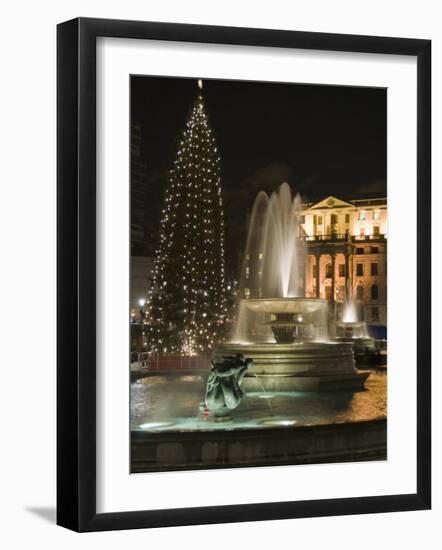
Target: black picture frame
[(76, 273)]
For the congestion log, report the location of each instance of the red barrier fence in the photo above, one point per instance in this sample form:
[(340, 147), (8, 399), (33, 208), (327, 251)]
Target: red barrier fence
[(155, 361)]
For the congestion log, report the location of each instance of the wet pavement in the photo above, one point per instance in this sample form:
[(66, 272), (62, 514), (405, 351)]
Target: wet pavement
[(172, 403)]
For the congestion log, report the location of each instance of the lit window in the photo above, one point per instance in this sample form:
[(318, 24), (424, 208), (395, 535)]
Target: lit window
[(260, 256), (362, 215), (377, 214)]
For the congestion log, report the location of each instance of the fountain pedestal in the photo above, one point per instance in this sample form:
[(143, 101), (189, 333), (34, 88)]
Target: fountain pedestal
[(283, 328), (288, 328)]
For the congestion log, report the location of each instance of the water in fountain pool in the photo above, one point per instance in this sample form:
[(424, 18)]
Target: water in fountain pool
[(165, 403)]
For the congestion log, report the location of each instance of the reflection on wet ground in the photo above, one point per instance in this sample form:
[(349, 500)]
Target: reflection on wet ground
[(172, 403)]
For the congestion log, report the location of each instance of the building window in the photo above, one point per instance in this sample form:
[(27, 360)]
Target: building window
[(374, 292), (376, 230), (334, 218), (359, 292), (359, 270), (247, 293), (377, 214), (347, 218), (319, 220), (374, 269), (374, 250), (341, 270), (328, 271), (359, 251), (375, 314), (362, 215)]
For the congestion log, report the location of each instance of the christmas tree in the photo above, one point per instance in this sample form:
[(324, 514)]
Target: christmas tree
[(188, 295)]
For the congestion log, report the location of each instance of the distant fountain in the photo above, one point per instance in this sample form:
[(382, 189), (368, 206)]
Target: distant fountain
[(352, 329), (282, 331), (350, 326), (350, 313)]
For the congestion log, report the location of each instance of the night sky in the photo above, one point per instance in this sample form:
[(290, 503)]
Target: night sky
[(322, 140)]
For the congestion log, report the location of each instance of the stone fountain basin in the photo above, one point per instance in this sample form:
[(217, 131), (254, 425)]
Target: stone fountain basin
[(285, 305), (294, 359), (312, 366)]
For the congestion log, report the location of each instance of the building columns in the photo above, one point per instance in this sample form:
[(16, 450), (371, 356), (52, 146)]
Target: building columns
[(333, 278), (318, 274), (347, 276)]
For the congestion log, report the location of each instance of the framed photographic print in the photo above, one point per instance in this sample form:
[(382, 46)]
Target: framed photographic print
[(231, 345)]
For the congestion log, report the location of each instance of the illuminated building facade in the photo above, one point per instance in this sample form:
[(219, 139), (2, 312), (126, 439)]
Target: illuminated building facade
[(347, 254)]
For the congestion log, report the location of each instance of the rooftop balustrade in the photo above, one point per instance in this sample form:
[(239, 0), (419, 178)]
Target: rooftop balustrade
[(339, 237)]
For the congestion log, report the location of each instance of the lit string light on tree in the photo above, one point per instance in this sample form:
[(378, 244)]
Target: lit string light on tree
[(188, 302)]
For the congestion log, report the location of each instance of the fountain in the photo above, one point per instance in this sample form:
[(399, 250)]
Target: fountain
[(350, 326), (279, 355), (281, 330), (351, 329)]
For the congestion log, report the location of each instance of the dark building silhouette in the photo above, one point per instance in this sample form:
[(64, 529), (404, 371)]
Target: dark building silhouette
[(138, 194)]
